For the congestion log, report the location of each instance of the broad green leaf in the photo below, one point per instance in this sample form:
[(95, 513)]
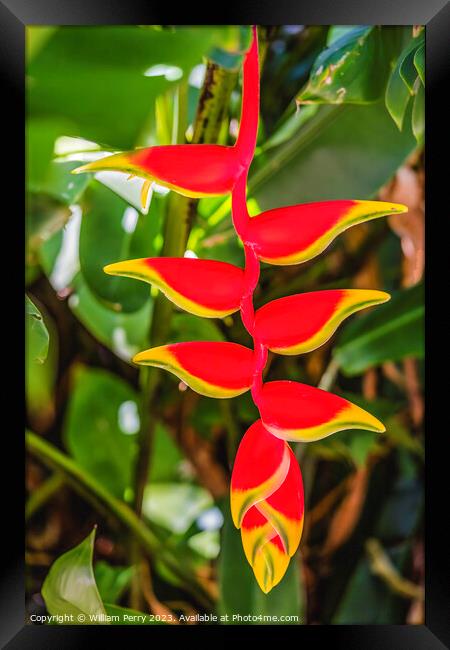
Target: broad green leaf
[(401, 82), (70, 588), (418, 113), (408, 70), (101, 425), (352, 69), (338, 31), (175, 506), (124, 234), (36, 332), (112, 581), (419, 62), (367, 600), (240, 594), (390, 332), (397, 97), (343, 151), (91, 75)]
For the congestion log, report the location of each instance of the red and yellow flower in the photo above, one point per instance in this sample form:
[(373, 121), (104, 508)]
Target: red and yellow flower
[(267, 500)]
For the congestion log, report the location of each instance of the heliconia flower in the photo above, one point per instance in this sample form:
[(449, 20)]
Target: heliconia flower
[(214, 369), (267, 503), (303, 322), (202, 287), (196, 170), (298, 233), (294, 411)]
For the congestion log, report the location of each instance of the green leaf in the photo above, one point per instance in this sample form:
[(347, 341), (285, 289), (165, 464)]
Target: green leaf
[(37, 336), (367, 599), (408, 70), (401, 82), (70, 589), (124, 234), (175, 505), (112, 581), (101, 426), (388, 333), (397, 97), (91, 75), (351, 70), (40, 378), (240, 594), (329, 158), (418, 114), (419, 62)]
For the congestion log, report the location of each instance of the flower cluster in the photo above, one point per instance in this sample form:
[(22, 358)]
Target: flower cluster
[(266, 487)]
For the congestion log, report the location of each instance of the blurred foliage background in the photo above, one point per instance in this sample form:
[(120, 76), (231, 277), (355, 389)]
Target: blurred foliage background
[(342, 111)]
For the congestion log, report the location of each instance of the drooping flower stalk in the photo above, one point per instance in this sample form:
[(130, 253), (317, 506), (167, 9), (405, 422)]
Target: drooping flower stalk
[(267, 501)]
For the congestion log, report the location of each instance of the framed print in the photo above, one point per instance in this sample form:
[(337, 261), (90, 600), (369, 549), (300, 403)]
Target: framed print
[(224, 255)]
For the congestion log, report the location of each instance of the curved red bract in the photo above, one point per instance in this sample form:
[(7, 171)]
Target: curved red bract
[(203, 287), (214, 369), (301, 323), (267, 498), (299, 412)]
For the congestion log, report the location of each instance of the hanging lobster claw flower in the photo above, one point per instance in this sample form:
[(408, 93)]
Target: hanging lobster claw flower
[(300, 232), (267, 503), (294, 411), (196, 170), (303, 322), (202, 287), (210, 368)]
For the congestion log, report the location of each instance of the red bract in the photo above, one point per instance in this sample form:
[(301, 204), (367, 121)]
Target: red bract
[(266, 484)]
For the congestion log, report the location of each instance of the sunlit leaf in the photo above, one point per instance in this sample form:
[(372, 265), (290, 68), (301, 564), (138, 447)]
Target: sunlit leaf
[(70, 588), (351, 69)]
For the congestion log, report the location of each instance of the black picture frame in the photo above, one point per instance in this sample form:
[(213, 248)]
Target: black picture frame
[(15, 15)]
